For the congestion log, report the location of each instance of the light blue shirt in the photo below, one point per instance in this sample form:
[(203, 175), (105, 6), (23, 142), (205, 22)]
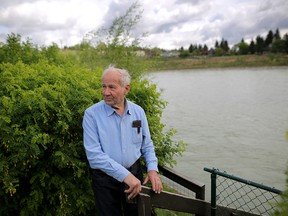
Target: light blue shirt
[(112, 144)]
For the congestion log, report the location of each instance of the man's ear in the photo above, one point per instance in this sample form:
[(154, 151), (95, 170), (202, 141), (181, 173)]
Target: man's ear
[(127, 89)]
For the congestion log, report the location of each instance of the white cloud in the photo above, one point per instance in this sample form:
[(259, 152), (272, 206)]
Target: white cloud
[(170, 23)]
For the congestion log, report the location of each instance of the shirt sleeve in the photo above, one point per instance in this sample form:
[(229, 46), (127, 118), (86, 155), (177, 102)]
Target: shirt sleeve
[(96, 157)]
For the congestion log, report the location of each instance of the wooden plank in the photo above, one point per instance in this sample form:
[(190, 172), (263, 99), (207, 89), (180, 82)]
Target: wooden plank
[(176, 202)]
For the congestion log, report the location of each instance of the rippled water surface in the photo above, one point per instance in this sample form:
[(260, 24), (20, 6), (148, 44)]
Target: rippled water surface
[(232, 119)]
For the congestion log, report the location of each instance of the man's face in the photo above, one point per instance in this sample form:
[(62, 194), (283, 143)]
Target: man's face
[(112, 91)]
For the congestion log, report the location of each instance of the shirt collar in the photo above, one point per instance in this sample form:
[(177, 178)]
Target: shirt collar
[(110, 110)]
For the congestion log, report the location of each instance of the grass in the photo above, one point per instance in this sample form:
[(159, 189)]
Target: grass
[(175, 63), (197, 62), (163, 212)]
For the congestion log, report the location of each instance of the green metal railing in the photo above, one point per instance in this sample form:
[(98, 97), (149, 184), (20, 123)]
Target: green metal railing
[(242, 195)]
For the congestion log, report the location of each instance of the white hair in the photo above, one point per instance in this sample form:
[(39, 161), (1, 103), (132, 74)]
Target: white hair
[(124, 74)]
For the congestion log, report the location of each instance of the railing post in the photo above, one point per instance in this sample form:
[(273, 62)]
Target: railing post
[(213, 194), (144, 205)]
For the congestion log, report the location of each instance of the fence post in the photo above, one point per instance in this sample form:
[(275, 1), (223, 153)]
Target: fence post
[(144, 205), (213, 194)]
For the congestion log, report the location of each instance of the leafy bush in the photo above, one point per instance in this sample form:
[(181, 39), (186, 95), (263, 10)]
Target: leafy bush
[(43, 95), (43, 163), (283, 203), (145, 94), (184, 54), (43, 166)]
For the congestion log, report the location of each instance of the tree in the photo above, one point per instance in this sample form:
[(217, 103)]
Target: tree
[(15, 50), (12, 51), (205, 50), (222, 48), (252, 47), (259, 44), (285, 38), (191, 48), (278, 46), (243, 48), (120, 43), (184, 54), (219, 51), (277, 35), (224, 45), (216, 44), (269, 39)]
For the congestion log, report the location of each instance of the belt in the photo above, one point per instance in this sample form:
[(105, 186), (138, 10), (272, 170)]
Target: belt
[(135, 167)]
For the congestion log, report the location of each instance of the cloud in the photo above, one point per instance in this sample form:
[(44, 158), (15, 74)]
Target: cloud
[(170, 23), (50, 21)]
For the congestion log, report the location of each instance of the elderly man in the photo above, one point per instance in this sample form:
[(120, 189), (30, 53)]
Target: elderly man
[(116, 135)]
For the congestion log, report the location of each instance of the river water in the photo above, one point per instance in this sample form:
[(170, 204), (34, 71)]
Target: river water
[(232, 119)]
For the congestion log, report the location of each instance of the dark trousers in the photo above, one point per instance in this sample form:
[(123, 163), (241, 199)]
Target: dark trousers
[(109, 193)]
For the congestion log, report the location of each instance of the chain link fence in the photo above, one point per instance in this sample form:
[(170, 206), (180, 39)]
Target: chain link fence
[(174, 187), (236, 193)]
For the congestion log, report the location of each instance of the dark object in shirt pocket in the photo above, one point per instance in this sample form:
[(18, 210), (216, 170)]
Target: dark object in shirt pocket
[(137, 124)]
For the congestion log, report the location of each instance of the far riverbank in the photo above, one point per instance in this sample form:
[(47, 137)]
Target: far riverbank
[(198, 62)]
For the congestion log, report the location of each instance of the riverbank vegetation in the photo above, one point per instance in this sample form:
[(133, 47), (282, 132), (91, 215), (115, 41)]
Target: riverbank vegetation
[(176, 63)]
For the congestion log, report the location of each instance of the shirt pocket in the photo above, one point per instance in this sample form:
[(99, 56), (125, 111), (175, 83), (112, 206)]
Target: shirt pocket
[(136, 137)]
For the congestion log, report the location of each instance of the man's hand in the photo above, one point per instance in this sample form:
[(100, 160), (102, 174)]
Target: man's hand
[(134, 186), (152, 175)]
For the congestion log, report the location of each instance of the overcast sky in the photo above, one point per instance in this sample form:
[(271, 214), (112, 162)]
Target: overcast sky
[(169, 23)]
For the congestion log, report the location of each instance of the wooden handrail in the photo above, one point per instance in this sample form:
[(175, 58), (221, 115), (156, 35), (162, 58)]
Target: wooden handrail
[(148, 199), (193, 185), (171, 201)]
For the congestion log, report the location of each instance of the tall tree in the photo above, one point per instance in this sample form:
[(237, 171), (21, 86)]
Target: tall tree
[(216, 44), (224, 45), (120, 42), (252, 47), (285, 38), (269, 38), (205, 49), (190, 48), (259, 44), (277, 35)]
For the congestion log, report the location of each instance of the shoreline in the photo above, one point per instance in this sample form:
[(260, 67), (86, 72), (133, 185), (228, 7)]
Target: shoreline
[(176, 63)]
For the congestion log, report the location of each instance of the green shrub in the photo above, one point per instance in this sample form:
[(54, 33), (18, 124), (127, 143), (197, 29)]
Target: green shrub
[(282, 209), (283, 203), (43, 166), (43, 163)]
